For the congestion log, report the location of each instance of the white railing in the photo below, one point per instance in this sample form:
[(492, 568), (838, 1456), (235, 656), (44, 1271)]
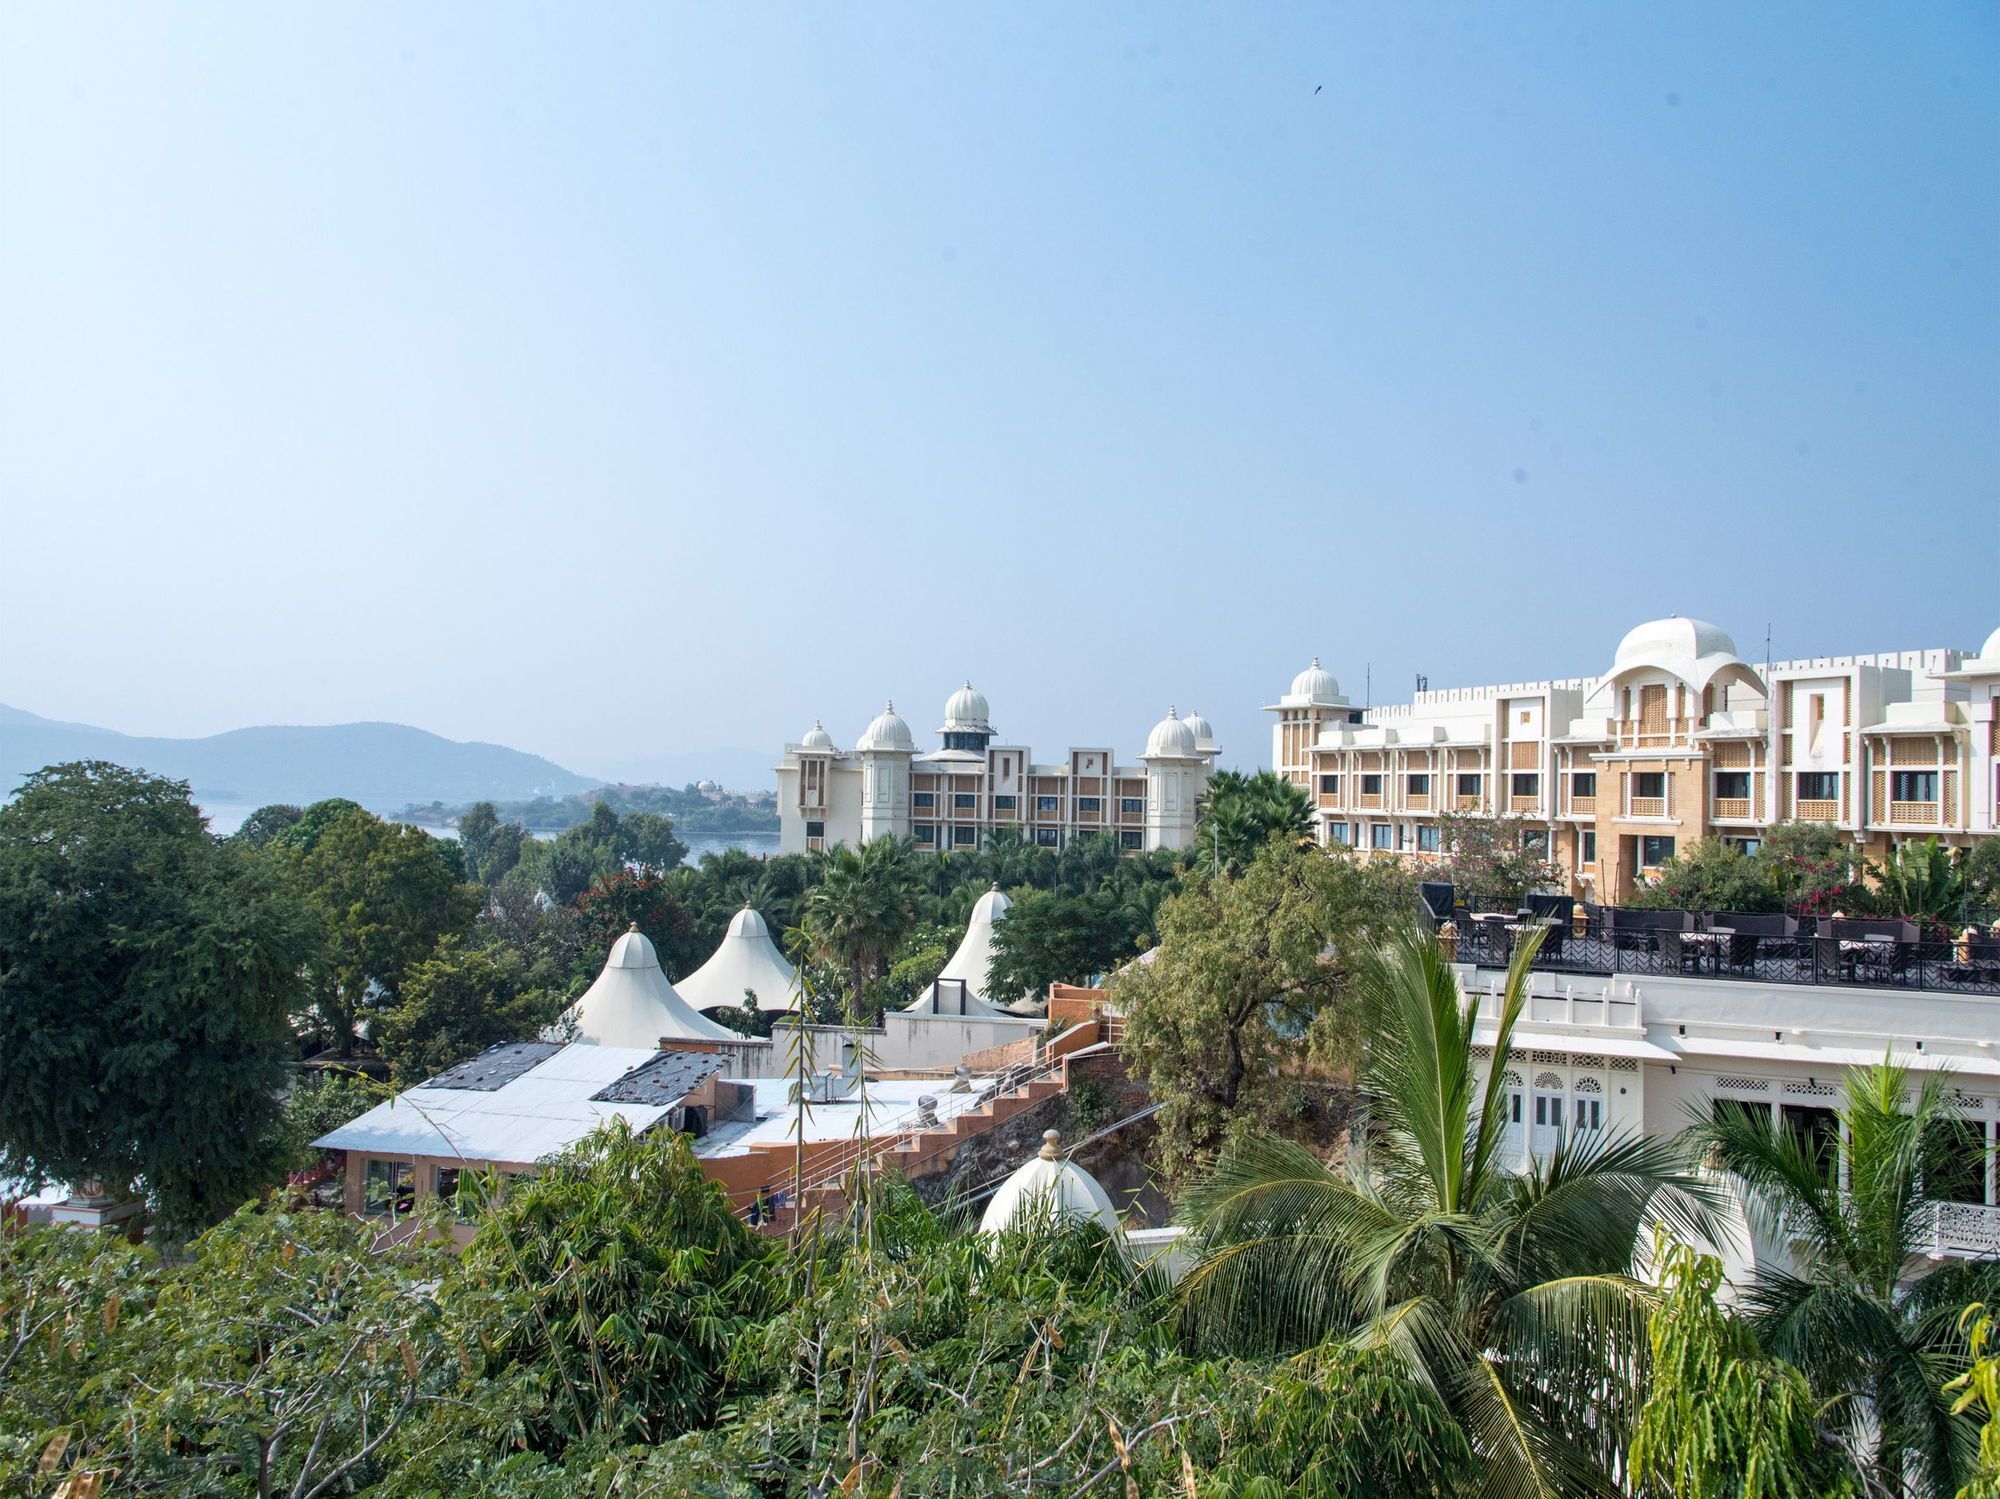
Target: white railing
[(834, 1167), (1968, 1229)]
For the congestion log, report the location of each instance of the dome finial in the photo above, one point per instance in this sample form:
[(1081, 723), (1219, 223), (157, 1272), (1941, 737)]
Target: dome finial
[(1050, 1137), (633, 927)]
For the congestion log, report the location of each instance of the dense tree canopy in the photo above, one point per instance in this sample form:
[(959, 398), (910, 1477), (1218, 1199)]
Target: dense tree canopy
[(146, 975)]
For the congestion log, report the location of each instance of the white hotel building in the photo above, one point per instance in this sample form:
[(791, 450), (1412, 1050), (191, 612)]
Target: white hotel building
[(975, 784)]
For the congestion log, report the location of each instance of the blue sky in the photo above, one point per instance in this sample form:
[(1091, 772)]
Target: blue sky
[(607, 381)]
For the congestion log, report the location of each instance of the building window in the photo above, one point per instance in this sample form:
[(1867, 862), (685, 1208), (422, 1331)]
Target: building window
[(924, 799), (815, 830), (1132, 804), (926, 832), (1329, 785), (1583, 783), (1417, 785), (1338, 832), (1655, 851), (1048, 804), (964, 837), (1089, 804), (1131, 838), (1381, 835), (1819, 785), (1732, 785), (1047, 837), (1371, 785), (1468, 783), (1427, 838), (388, 1187), (964, 801), (1913, 786), (462, 1189), (1586, 847), (1535, 841), (1005, 803), (1650, 783), (1527, 785), (1745, 846)]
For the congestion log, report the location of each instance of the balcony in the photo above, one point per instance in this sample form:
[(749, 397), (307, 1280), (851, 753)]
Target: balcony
[(1583, 804), (1914, 814), (1648, 806), (1371, 801), (1817, 811), (1968, 1230), (1465, 804), (1418, 803), (1532, 805), (1737, 807)]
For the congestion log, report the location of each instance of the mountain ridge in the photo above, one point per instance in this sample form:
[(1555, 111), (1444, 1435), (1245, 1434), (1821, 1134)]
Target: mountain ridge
[(384, 766)]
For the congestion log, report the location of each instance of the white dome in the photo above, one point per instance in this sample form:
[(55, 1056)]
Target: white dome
[(1691, 649), (1204, 736), (632, 1003), (1661, 640), (965, 711), (1991, 649), (746, 959), (1315, 685), (814, 738), (1171, 739), (887, 732), (1048, 1190)]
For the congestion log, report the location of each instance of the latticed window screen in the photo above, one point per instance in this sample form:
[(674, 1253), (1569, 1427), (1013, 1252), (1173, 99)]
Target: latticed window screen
[(1653, 710)]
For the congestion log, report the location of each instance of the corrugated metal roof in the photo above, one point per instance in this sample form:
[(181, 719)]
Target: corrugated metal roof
[(665, 1080), (539, 1113), (496, 1066)]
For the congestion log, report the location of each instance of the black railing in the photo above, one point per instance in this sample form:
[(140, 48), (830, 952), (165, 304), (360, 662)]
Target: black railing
[(1944, 966)]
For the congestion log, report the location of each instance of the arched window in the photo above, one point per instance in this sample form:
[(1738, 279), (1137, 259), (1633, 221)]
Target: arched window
[(1587, 1107)]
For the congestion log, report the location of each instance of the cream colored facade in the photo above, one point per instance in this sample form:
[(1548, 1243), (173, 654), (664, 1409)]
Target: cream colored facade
[(1680, 740), (957, 796)]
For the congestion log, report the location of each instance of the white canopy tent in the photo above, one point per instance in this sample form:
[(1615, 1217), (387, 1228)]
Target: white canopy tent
[(747, 960), (960, 988), (633, 1004)]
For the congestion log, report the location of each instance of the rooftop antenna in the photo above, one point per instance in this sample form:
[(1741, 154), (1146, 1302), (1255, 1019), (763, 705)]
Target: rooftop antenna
[(1423, 682), (1368, 685)]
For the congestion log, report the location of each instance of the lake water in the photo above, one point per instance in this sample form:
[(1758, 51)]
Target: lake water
[(226, 817)]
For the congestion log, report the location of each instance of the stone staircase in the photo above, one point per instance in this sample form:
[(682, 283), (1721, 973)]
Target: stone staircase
[(912, 1152)]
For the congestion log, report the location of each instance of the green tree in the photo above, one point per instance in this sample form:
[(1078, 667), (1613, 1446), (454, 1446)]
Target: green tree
[(1240, 814), (1491, 861), (381, 895), (1982, 877), (1924, 881), (1710, 875), (858, 913), (1506, 1292), (615, 1284), (1867, 1337), (1814, 867), (1237, 1021), (620, 902), (146, 973), (1720, 1420), (266, 823), (1048, 937), (307, 828), (1978, 1392), (459, 1001)]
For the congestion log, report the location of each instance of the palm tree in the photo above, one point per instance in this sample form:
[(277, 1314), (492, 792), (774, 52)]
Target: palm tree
[(861, 908), (1854, 1309), (1240, 814), (1510, 1294), (1924, 881)]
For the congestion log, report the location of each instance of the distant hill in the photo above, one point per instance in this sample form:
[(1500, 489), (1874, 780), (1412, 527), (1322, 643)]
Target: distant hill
[(384, 766)]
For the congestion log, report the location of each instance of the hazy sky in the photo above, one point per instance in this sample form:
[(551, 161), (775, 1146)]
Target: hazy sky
[(604, 381)]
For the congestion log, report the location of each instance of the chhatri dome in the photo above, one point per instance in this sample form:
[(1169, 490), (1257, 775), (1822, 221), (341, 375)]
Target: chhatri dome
[(746, 959), (965, 711), (1314, 685), (1204, 735), (1171, 739), (632, 1003), (1692, 649), (816, 737), (887, 732), (1048, 1190)]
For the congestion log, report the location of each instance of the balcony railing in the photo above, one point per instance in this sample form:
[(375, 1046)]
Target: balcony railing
[(1818, 811), (1939, 967), (1370, 801), (1524, 803), (1918, 813), (1970, 1229), (1732, 806), (1583, 804), (1648, 806), (1466, 803)]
